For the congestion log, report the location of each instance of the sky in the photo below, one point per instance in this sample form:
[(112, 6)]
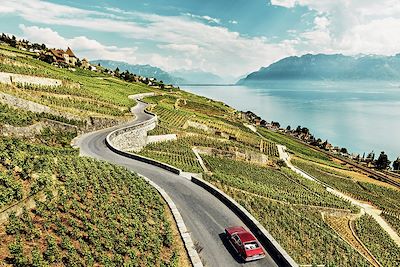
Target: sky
[(227, 37)]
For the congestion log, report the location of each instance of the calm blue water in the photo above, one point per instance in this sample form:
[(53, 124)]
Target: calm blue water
[(361, 116)]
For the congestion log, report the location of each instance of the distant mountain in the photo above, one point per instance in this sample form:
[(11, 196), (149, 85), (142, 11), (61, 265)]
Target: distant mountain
[(143, 70), (199, 77), (329, 67)]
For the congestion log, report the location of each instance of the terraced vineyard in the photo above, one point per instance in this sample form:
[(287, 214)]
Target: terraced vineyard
[(178, 154), (299, 149), (378, 242), (171, 117), (276, 184), (301, 232), (20, 118), (393, 219), (80, 93), (87, 212), (290, 208), (384, 198), (269, 148)]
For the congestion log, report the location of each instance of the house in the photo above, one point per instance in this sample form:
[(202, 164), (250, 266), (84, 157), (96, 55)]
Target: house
[(60, 56), (85, 63), (70, 57)]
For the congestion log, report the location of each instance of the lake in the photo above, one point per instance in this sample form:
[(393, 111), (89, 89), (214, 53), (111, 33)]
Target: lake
[(361, 116)]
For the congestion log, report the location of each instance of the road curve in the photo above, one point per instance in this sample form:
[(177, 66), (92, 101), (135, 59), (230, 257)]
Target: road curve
[(204, 215)]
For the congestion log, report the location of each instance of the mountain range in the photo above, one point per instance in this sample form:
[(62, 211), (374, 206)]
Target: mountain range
[(177, 77), (329, 67)]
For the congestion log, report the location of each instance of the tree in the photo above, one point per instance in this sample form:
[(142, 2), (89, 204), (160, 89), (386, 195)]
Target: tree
[(343, 150), (116, 72), (383, 162), (305, 130), (288, 128), (396, 164)]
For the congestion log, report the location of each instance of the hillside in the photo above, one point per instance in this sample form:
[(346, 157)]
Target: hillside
[(329, 67), (142, 70), (59, 209), (89, 212)]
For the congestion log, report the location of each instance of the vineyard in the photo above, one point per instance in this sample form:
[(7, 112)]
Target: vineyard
[(299, 149), (175, 118), (276, 184), (384, 198), (378, 242), (291, 209), (176, 153), (87, 91), (94, 213), (393, 220), (301, 231), (18, 117)]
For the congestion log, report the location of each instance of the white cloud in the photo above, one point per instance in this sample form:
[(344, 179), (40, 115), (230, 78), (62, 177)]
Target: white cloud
[(189, 48), (206, 18), (351, 26), (284, 3), (82, 46), (184, 42), (233, 22)]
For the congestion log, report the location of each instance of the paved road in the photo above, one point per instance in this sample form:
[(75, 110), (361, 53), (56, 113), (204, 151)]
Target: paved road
[(204, 215)]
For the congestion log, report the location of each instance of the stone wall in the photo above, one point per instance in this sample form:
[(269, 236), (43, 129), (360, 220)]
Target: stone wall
[(132, 138), (10, 78), (160, 138)]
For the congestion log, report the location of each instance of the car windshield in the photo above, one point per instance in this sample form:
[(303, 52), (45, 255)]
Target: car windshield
[(251, 245)]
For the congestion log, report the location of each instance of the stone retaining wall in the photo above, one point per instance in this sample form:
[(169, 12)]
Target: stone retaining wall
[(10, 78), (160, 138), (132, 138)]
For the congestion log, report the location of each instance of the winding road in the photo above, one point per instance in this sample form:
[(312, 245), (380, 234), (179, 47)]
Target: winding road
[(204, 215)]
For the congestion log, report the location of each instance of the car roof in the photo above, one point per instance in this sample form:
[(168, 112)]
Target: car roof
[(246, 237), (243, 234), (235, 229)]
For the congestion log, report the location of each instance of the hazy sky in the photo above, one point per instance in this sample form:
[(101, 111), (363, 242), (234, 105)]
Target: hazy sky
[(226, 37)]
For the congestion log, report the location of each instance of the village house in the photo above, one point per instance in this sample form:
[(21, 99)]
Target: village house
[(85, 63), (60, 56)]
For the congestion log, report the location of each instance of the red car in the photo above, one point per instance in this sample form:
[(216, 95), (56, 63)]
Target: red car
[(245, 243)]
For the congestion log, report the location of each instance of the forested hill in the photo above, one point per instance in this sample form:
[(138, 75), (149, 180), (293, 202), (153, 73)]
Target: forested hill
[(329, 67)]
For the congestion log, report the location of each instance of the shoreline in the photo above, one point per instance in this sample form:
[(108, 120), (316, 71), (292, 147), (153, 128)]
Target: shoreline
[(257, 96)]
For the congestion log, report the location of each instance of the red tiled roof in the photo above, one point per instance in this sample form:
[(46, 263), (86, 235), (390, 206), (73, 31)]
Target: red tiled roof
[(58, 53)]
